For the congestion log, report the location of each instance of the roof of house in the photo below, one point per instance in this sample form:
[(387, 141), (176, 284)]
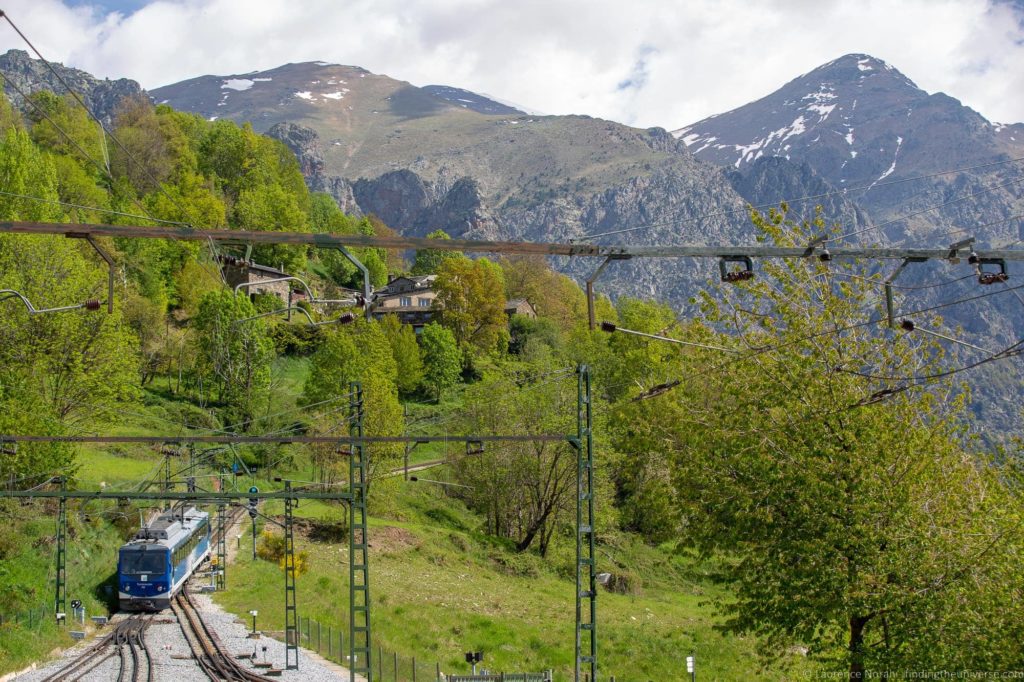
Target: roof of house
[(251, 265), (418, 281)]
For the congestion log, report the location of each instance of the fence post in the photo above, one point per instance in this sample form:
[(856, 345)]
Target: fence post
[(380, 663), (438, 664), (396, 667), (319, 642), (330, 642), (341, 645), (413, 669)]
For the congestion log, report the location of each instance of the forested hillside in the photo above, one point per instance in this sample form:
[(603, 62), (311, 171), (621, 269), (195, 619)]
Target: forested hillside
[(814, 471)]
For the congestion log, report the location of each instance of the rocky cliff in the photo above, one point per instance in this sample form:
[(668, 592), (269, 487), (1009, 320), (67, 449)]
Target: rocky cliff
[(31, 75)]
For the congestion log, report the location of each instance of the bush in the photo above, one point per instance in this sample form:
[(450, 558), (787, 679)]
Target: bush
[(271, 548), (296, 340)]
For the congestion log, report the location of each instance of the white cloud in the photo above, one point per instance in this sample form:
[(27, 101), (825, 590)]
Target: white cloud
[(680, 60)]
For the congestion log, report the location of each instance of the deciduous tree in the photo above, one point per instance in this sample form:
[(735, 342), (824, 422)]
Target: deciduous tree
[(832, 482)]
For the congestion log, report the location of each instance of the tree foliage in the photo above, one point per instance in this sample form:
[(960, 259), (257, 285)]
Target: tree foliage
[(442, 359), (406, 351), (429, 261), (471, 294), (827, 492), (234, 354), (357, 352), (521, 487)]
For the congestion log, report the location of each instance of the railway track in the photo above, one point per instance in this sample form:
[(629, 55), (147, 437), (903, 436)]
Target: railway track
[(127, 642), (214, 661)]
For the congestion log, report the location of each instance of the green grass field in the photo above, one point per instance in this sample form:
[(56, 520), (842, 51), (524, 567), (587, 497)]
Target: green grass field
[(440, 588)]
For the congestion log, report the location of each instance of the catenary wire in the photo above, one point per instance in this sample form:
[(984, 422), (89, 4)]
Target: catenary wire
[(92, 114), (879, 226), (90, 208), (802, 199)]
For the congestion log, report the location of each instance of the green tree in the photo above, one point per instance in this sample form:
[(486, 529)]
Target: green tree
[(26, 171), (471, 296), (142, 156), (73, 360), (85, 135), (272, 209), (827, 493), (524, 488), (406, 351), (357, 352), (428, 261), (233, 355), (442, 359)]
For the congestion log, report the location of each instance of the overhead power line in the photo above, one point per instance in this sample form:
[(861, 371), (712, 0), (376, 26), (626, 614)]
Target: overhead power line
[(811, 197), (83, 207), (156, 183), (929, 209), (482, 246)]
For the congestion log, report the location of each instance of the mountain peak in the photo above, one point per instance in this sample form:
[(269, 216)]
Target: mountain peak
[(839, 105), (855, 68)]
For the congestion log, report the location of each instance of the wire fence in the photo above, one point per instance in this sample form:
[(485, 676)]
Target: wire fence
[(31, 619), (329, 641), (388, 666)]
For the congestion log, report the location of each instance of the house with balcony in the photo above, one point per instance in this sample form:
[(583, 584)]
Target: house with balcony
[(411, 298), (414, 301)]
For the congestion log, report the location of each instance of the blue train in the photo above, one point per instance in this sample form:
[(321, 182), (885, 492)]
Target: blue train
[(153, 566)]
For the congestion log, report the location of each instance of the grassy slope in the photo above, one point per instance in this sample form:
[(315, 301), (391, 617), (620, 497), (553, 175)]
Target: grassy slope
[(439, 586), (26, 575)]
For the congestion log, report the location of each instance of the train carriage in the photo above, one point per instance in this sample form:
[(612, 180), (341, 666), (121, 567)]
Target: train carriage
[(153, 566)]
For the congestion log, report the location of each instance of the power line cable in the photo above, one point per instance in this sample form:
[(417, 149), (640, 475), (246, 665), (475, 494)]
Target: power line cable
[(90, 208), (1008, 352), (907, 287), (92, 114), (879, 226), (811, 197), (755, 352)]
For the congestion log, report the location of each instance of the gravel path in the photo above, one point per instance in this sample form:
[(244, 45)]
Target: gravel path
[(173, 660)]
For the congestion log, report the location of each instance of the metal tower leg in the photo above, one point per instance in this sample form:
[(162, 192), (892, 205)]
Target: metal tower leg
[(61, 598), (586, 585), (291, 619), (359, 637), (222, 554)]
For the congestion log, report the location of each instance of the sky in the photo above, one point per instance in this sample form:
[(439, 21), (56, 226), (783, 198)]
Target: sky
[(644, 63)]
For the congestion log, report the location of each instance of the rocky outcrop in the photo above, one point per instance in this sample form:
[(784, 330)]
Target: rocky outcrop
[(416, 206), (305, 144), (765, 180), (31, 75)]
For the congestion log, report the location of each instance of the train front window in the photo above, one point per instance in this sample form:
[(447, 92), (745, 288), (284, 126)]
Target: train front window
[(136, 562)]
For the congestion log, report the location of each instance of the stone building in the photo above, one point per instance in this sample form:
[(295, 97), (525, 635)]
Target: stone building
[(238, 271)]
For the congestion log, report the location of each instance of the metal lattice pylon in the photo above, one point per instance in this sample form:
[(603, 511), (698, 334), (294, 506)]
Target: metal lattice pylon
[(586, 584), (222, 554), (291, 618), (60, 604), (360, 639)]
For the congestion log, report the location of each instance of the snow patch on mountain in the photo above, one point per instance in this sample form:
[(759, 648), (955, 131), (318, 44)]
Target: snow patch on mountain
[(889, 171), (237, 84)]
